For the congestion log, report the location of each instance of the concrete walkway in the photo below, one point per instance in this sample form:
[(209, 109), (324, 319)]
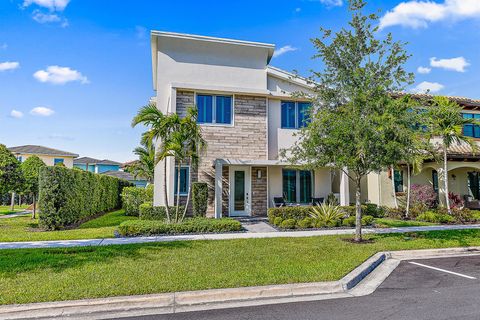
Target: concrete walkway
[(221, 236), (13, 215)]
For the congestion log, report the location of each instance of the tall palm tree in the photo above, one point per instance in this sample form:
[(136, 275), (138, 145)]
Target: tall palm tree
[(145, 165), (445, 121), (160, 127)]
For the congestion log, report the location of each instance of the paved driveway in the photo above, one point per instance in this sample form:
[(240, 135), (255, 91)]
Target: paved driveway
[(446, 288)]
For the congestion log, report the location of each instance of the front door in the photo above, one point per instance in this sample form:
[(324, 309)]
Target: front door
[(240, 191)]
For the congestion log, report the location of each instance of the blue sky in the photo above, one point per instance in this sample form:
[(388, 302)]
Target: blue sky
[(74, 72)]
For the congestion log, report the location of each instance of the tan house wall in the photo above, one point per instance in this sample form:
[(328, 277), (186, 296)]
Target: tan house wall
[(49, 160)]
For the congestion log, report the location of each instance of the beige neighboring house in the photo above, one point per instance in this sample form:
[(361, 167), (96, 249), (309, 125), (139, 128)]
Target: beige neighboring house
[(50, 156)]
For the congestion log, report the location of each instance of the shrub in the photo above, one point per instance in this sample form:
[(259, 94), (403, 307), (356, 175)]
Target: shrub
[(435, 217), (192, 225), (69, 196), (475, 215), (349, 222), (296, 213), (278, 221), (327, 214), (463, 215), (132, 198), (306, 223), (423, 195), (394, 213), (149, 193), (149, 212), (199, 199), (370, 209), (288, 224), (367, 220), (455, 200), (331, 199)]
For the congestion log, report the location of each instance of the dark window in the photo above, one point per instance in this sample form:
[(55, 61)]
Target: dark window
[(305, 186), (471, 130), (474, 184), (214, 109), (435, 180), (290, 185), (184, 172), (398, 180), (295, 114), (288, 115)]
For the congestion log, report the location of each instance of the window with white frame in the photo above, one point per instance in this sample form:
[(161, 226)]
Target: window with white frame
[(215, 109), (295, 115)]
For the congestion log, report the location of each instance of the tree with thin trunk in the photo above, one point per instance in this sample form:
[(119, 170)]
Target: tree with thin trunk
[(144, 167), (445, 127), (160, 127), (355, 121), (11, 178), (31, 172)]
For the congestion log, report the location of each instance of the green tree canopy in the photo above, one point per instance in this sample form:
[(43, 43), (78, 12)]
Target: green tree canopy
[(11, 178), (356, 125), (31, 172)]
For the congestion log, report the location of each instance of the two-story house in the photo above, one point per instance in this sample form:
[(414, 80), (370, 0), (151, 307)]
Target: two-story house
[(50, 156), (247, 114), (96, 165)]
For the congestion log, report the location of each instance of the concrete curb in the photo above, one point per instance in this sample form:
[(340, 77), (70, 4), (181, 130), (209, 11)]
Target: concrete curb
[(361, 281)]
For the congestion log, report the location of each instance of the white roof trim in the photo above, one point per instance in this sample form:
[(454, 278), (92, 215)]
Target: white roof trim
[(290, 77)]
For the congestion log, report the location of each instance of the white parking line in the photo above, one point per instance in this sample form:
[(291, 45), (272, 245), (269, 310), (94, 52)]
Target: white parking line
[(443, 270)]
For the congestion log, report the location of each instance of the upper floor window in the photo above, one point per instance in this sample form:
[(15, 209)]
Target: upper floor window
[(57, 161), (471, 130), (295, 114), (214, 109)]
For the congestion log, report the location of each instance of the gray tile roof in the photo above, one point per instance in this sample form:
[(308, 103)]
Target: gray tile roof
[(85, 160), (122, 175), (41, 150)]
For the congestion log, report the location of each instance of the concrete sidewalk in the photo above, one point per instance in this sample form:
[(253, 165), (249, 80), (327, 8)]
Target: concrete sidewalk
[(222, 236), (13, 215)]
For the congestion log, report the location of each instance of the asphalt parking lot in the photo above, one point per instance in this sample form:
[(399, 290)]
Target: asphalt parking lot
[(442, 288)]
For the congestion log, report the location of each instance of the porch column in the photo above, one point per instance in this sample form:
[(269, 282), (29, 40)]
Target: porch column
[(344, 189), (218, 189)]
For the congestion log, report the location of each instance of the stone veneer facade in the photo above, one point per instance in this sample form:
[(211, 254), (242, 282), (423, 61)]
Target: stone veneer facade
[(246, 139)]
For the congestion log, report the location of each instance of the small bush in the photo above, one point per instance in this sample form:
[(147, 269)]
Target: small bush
[(394, 213), (132, 198), (149, 212), (199, 199), (296, 213), (278, 221), (435, 217), (306, 223), (475, 215), (464, 215), (455, 200), (331, 199), (371, 209), (193, 225), (349, 222), (422, 195), (149, 193), (367, 220), (288, 224), (327, 214)]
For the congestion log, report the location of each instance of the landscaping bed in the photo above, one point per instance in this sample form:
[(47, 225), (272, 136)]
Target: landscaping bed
[(36, 275)]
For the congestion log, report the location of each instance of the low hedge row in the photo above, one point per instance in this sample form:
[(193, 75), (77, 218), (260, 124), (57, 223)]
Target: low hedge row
[(193, 225), (150, 212), (309, 222), (68, 196)]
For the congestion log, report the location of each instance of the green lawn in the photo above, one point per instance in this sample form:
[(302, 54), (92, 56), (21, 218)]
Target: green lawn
[(396, 223), (6, 209), (34, 275), (26, 229)]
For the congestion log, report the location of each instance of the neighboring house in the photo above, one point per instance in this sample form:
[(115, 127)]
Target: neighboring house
[(50, 156), (138, 182), (463, 167), (95, 165), (247, 113)]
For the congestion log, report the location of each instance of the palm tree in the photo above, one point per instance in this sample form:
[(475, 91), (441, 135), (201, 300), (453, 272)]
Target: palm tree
[(445, 121), (145, 165), (160, 127)]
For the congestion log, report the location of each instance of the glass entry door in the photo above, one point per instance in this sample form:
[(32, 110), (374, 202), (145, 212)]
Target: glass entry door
[(240, 191)]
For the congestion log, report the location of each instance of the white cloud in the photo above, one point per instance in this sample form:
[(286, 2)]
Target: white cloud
[(53, 5), (16, 114), (456, 64), (418, 14), (431, 87), (45, 18), (59, 75), (332, 3), (424, 70), (283, 50), (298, 9), (9, 65), (42, 111), (3, 46)]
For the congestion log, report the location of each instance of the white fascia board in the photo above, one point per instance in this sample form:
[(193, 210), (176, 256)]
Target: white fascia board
[(290, 77), (210, 88)]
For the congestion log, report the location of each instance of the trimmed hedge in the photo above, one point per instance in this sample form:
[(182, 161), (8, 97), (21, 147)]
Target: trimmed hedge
[(199, 199), (69, 196), (193, 225), (150, 212), (133, 197)]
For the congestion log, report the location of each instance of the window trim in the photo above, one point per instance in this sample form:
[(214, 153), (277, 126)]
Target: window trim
[(214, 111), (186, 166), (297, 124)]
